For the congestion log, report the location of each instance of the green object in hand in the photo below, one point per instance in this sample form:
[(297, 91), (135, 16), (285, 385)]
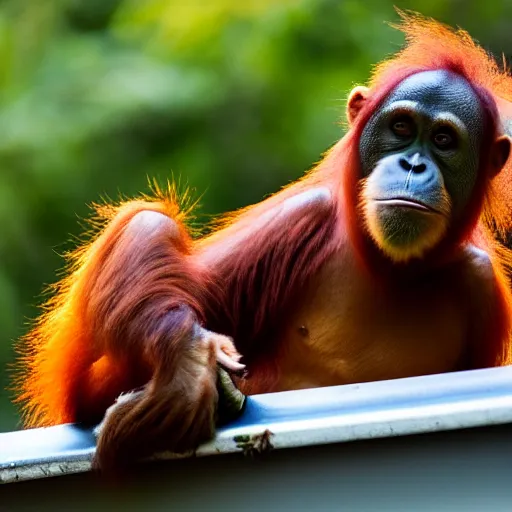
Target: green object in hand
[(231, 400)]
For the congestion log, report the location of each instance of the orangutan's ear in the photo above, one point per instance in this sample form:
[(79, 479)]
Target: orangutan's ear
[(355, 103), (499, 154)]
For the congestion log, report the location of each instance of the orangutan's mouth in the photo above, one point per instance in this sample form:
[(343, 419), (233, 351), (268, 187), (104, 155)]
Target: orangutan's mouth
[(401, 202)]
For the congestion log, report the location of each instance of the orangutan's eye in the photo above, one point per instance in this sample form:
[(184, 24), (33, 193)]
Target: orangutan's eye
[(402, 126)]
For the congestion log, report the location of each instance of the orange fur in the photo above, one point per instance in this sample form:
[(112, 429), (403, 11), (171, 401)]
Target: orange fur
[(59, 355), (128, 313)]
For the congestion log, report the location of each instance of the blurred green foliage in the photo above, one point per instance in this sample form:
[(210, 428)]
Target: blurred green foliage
[(235, 97)]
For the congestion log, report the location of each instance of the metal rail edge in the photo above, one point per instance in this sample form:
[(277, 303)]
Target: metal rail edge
[(295, 419)]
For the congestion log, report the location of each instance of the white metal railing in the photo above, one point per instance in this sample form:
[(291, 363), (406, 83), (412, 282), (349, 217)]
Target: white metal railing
[(297, 418)]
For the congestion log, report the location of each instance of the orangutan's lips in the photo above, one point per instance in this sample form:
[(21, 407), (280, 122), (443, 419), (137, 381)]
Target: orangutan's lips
[(407, 203)]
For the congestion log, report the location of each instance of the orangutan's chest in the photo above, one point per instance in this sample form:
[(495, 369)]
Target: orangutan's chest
[(344, 330)]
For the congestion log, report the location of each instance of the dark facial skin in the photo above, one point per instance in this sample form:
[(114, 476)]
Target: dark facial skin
[(420, 155)]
